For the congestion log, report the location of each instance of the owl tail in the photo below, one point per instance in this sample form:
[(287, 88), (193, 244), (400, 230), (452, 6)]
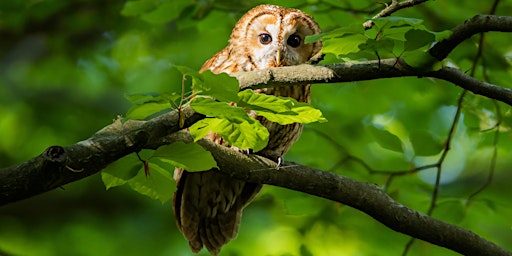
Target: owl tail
[(208, 206)]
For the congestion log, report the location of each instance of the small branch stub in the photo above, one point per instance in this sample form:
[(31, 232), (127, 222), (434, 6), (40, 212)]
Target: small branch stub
[(56, 154)]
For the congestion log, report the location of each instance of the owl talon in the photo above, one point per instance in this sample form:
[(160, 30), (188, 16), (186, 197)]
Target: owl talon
[(279, 162), (246, 151)]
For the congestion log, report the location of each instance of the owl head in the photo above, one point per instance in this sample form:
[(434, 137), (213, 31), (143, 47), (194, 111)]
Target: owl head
[(267, 36), (273, 36)]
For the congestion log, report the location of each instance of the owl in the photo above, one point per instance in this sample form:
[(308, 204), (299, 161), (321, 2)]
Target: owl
[(208, 205)]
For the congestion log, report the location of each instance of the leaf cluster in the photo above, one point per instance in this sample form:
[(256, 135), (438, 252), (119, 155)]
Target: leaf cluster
[(229, 113), (390, 37)]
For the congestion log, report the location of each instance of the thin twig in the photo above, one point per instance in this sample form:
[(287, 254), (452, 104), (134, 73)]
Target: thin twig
[(391, 8)]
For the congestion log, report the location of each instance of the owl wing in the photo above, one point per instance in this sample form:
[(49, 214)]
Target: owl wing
[(208, 207), (221, 62)]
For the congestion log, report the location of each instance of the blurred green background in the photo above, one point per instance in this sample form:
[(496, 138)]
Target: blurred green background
[(65, 67)]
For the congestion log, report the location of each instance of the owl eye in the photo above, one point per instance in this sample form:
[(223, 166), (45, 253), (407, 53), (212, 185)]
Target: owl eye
[(293, 40), (265, 38)]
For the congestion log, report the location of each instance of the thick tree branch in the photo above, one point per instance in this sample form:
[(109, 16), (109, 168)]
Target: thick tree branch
[(368, 198), (359, 71), (478, 24), (58, 165)]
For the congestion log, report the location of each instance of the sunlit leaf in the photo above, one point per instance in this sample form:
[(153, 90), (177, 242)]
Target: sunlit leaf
[(203, 127), (191, 157), (242, 135), (212, 108), (267, 102), (247, 136), (344, 45), (300, 113)]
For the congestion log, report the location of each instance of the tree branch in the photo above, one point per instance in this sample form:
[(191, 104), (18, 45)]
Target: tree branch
[(365, 197), (478, 24), (391, 8), (58, 165), (370, 70)]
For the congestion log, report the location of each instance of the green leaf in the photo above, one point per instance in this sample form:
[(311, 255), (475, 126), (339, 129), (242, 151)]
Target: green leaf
[(202, 127), (395, 21), (395, 33), (300, 113), (386, 139), (247, 135), (242, 135), (281, 110), (186, 71), (441, 35), (191, 157), (147, 104), (421, 60), (130, 170), (158, 185), (344, 45), (220, 86), (197, 79), (223, 110), (121, 171), (424, 143), (140, 112), (385, 45), (271, 103), (416, 38)]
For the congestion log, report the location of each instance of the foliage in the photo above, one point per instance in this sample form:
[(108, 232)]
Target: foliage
[(229, 119), (68, 66)]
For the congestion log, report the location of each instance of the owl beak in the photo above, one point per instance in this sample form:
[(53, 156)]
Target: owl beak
[(278, 59)]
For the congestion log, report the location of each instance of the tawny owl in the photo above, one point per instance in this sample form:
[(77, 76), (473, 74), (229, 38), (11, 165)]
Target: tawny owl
[(208, 205)]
